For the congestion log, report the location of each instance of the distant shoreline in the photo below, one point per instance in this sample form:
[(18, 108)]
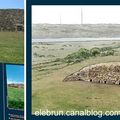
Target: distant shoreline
[(73, 39)]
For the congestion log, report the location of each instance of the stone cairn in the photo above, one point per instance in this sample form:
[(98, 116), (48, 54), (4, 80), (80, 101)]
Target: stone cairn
[(11, 19), (107, 73)]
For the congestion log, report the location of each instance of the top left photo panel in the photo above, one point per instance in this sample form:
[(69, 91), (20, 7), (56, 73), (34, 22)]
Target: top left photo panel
[(12, 31)]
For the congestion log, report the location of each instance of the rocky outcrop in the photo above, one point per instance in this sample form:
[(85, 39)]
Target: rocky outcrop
[(107, 73)]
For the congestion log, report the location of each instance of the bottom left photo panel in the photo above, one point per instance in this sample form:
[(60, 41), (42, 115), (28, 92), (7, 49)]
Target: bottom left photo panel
[(12, 91)]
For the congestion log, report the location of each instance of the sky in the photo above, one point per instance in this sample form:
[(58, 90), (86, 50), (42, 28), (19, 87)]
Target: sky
[(72, 14), (15, 73), (5, 4)]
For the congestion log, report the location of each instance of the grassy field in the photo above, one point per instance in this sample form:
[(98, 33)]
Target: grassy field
[(50, 92), (15, 98), (11, 47), (46, 52)]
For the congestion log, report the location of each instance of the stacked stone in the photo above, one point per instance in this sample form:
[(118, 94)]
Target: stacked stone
[(9, 18), (107, 73)]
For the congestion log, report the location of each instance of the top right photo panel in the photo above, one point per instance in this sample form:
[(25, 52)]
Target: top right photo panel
[(75, 58)]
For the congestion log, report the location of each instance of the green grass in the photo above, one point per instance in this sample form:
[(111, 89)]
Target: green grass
[(11, 47), (15, 98), (50, 92), (54, 49)]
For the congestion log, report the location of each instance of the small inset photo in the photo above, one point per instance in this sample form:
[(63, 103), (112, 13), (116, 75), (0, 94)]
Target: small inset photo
[(15, 86)]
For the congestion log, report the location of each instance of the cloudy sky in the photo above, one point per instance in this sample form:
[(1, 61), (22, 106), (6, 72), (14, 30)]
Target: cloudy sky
[(72, 14)]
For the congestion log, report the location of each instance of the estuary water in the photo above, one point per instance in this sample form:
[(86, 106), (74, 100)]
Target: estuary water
[(73, 39)]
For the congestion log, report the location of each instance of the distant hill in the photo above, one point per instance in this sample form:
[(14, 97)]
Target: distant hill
[(10, 18), (75, 31), (16, 85)]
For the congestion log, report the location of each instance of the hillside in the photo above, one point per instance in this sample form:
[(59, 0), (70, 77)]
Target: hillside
[(75, 31), (9, 18)]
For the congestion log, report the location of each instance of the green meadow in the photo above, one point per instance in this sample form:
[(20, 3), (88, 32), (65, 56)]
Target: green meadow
[(16, 98), (52, 62), (12, 47)]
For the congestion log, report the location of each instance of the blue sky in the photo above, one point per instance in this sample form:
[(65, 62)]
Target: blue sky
[(15, 73), (4, 4)]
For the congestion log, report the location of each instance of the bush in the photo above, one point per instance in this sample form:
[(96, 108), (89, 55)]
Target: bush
[(110, 52), (107, 53), (78, 56), (95, 51), (105, 49), (83, 54)]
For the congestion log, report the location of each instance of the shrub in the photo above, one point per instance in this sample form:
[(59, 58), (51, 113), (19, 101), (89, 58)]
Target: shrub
[(84, 53), (105, 49), (78, 56), (110, 52), (95, 51), (107, 52)]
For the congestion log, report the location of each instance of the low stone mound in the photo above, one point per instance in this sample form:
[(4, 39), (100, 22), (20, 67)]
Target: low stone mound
[(11, 19), (107, 73)]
